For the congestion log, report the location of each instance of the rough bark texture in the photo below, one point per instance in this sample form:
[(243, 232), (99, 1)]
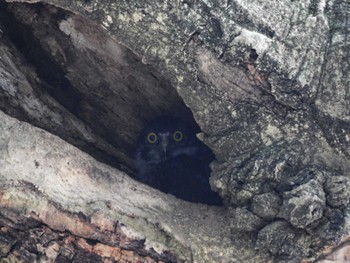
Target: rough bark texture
[(267, 82)]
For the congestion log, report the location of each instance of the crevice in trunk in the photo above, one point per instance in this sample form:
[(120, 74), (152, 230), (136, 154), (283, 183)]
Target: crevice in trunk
[(98, 94)]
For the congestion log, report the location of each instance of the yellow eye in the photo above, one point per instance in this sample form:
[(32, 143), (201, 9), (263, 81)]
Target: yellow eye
[(152, 137), (178, 136)]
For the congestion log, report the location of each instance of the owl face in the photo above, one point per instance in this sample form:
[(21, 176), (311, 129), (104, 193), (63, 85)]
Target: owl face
[(162, 139), (170, 158)]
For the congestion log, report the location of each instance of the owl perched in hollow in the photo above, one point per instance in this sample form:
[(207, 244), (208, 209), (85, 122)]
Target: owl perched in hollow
[(169, 157)]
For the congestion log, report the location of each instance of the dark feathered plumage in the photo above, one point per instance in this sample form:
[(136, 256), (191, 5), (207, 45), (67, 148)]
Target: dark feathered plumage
[(169, 157)]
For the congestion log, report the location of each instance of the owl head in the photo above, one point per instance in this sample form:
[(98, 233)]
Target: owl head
[(162, 139), (169, 157)]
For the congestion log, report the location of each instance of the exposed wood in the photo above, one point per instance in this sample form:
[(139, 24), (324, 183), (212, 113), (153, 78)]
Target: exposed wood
[(267, 82)]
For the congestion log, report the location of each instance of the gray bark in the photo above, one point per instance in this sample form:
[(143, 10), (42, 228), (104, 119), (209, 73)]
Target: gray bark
[(267, 83)]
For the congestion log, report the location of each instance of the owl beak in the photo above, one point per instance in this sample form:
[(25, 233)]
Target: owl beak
[(164, 144)]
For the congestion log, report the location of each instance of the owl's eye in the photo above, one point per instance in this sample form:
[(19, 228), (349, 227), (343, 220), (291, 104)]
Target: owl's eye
[(152, 137), (178, 136)]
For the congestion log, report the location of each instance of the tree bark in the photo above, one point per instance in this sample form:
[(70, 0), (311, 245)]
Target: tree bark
[(267, 83)]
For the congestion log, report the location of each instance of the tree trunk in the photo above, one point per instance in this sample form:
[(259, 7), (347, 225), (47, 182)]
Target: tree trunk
[(265, 83)]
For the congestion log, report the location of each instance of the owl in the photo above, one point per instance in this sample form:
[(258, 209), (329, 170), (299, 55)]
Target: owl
[(169, 157)]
